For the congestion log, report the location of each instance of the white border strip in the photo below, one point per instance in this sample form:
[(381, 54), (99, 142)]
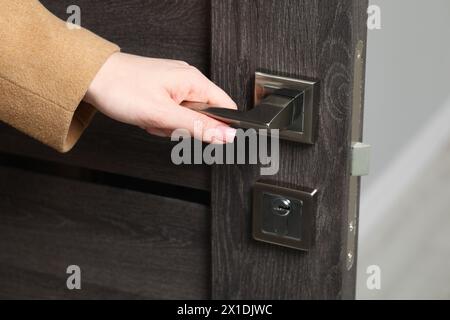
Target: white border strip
[(417, 154)]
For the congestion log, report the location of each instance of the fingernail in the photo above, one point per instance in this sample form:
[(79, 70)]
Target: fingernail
[(227, 134), (214, 140)]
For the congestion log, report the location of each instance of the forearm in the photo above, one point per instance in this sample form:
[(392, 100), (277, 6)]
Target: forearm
[(45, 71)]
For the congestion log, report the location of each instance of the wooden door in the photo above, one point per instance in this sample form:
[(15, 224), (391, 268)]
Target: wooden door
[(141, 227)]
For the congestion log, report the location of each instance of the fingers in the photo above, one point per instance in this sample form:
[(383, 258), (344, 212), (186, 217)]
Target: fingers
[(186, 83), (216, 96), (200, 126), (201, 89)]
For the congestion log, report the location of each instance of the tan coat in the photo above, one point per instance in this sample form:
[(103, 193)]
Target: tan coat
[(45, 71)]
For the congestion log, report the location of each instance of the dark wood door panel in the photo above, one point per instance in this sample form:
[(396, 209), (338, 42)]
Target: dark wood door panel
[(153, 28), (310, 38), (127, 244), (116, 148)]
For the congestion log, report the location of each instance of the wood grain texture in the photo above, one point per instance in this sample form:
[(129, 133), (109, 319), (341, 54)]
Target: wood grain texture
[(116, 148), (177, 29), (314, 38), (127, 244)]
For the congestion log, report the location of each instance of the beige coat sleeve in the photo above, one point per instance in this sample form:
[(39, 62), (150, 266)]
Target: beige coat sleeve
[(45, 71)]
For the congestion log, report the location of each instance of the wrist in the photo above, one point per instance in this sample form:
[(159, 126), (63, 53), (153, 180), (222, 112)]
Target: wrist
[(98, 83)]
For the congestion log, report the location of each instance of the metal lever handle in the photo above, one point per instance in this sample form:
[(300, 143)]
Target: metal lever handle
[(279, 110), (282, 103)]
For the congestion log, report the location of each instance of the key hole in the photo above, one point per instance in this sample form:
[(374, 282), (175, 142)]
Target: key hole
[(282, 207)]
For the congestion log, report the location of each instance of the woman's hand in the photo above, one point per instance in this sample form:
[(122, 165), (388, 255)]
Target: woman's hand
[(147, 93)]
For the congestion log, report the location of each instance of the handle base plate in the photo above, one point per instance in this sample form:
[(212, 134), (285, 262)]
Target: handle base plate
[(303, 130)]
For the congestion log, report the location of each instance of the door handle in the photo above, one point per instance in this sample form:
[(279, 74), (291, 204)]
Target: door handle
[(281, 103), (278, 110)]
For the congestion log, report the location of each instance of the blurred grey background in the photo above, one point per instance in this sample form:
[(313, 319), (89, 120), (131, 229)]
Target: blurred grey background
[(405, 202)]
